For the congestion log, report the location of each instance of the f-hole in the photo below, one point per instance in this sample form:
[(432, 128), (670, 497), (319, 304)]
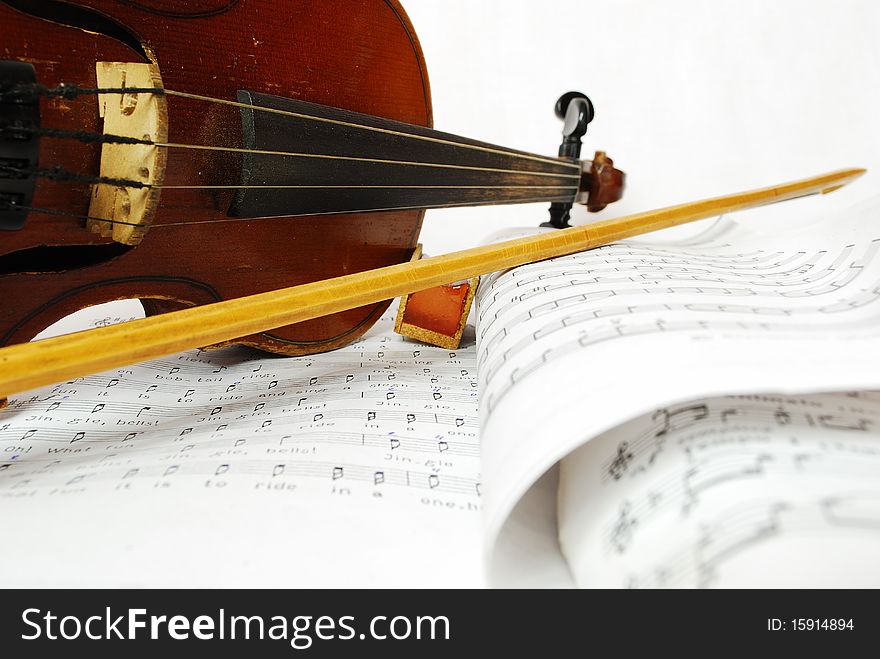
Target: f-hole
[(48, 258), (79, 17)]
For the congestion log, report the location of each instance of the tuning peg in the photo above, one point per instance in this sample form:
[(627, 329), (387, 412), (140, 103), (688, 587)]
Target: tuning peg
[(576, 111), (566, 99)]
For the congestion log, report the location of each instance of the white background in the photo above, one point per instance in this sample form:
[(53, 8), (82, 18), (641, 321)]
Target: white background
[(692, 98)]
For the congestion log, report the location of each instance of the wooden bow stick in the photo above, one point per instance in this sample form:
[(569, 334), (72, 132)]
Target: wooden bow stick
[(40, 363)]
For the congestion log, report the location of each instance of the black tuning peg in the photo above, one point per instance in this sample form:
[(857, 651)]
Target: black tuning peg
[(576, 111)]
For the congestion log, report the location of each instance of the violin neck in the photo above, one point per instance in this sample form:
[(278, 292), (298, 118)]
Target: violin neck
[(301, 158)]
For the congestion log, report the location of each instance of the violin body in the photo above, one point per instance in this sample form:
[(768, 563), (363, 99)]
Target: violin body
[(362, 56)]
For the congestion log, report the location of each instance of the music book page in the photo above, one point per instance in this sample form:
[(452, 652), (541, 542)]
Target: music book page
[(356, 467), (757, 490), (573, 348)]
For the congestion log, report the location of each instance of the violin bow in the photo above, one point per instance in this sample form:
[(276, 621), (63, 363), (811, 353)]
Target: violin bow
[(40, 363)]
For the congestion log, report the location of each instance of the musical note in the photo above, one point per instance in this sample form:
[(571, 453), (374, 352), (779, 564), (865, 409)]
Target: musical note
[(606, 357), (621, 461), (275, 428), (575, 304), (837, 423), (622, 529), (727, 487)]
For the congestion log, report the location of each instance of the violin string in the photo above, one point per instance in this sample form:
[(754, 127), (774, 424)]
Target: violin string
[(60, 174), (72, 91), (55, 211), (52, 211), (387, 131), (363, 187), (109, 138), (79, 135), (208, 147), (370, 210), (25, 91)]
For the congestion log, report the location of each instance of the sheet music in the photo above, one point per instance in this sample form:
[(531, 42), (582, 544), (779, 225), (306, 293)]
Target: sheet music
[(760, 491), (355, 467), (362, 466), (572, 347)]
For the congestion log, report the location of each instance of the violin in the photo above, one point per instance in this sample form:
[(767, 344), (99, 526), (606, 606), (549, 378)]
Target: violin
[(189, 153)]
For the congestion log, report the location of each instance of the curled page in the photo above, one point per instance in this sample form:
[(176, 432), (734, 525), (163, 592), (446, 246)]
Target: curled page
[(570, 348), (760, 490)]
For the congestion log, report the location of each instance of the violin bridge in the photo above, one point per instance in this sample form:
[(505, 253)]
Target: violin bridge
[(130, 210)]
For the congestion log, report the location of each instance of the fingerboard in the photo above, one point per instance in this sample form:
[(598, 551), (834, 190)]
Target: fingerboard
[(302, 158)]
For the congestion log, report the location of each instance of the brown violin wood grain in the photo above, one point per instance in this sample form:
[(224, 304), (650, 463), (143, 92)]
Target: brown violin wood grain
[(361, 56)]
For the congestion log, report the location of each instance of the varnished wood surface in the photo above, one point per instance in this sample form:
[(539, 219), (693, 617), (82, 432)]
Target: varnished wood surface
[(44, 362), (361, 55)]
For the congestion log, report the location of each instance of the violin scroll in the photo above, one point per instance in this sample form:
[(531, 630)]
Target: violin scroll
[(601, 183)]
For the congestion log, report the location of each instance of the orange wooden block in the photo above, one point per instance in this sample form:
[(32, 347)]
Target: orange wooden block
[(437, 315)]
